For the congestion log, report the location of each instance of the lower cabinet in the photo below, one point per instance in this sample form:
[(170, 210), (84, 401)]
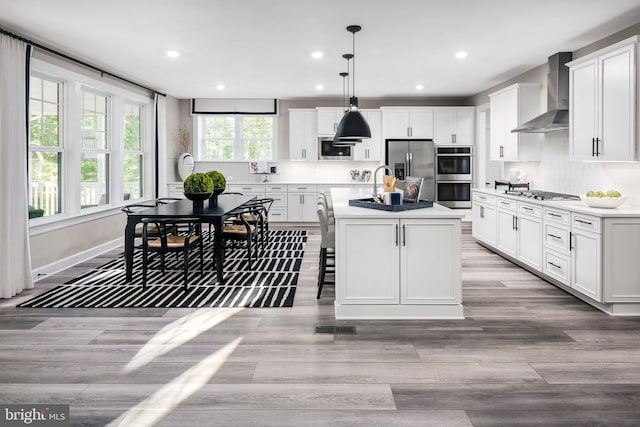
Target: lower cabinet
[(301, 203), (483, 215), (586, 256), (506, 233), (398, 261)]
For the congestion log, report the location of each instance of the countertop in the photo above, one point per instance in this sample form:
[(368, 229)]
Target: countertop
[(623, 211), (341, 209), (299, 182)]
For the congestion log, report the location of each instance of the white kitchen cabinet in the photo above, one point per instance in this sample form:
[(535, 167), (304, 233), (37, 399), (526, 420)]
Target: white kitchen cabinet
[(556, 236), (176, 189), (529, 229), (506, 233), (407, 122), (370, 149), (429, 274), (278, 211), (392, 261), (257, 190), (586, 256), (602, 104), (370, 262), (301, 203), (455, 126), (483, 216), (303, 137), (509, 108), (328, 120)]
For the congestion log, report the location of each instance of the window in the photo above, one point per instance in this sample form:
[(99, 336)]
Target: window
[(90, 147), (94, 156), (240, 138), (45, 167), (133, 155)]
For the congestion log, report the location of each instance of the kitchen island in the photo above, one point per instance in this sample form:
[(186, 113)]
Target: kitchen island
[(396, 265)]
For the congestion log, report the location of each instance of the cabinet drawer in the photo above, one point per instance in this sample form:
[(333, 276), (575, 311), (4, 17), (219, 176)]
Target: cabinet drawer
[(556, 237), (557, 215), (507, 204), (276, 188), (247, 188), (278, 214), (529, 209), (484, 198), (301, 188), (585, 222), (175, 190), (279, 200), (556, 265)]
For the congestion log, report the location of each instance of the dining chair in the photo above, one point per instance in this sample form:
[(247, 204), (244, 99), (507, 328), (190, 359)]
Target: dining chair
[(260, 218), (136, 207), (327, 246), (167, 242), (241, 227)]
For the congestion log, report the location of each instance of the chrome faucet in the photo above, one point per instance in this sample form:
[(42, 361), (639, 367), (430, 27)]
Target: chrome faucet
[(375, 181)]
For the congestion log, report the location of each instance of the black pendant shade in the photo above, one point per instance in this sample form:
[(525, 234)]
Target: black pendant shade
[(353, 127)]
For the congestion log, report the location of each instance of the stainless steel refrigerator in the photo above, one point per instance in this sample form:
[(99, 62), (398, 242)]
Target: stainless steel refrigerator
[(414, 157)]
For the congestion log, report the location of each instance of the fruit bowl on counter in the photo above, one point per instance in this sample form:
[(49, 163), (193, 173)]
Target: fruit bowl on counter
[(599, 199)]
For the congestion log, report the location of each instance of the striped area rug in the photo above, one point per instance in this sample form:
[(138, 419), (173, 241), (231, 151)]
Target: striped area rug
[(270, 283)]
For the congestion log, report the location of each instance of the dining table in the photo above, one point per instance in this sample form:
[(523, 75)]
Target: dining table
[(214, 214)]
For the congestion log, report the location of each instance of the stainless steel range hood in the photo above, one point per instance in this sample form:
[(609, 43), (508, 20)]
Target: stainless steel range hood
[(557, 116)]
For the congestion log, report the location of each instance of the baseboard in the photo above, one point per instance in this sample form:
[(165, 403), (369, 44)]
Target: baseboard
[(54, 267)]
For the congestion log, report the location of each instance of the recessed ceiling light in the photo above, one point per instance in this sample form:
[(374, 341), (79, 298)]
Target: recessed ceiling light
[(317, 54), (172, 53), (319, 86), (419, 87), (461, 54), (220, 86)]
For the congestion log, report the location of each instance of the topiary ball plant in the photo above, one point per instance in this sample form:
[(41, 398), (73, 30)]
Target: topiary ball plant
[(219, 181), (198, 183)]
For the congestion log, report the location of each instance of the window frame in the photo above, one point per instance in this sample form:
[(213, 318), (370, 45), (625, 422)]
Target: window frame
[(69, 126), (199, 124), (139, 152), (60, 148)]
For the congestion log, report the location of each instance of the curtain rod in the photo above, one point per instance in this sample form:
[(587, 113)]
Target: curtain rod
[(77, 61)]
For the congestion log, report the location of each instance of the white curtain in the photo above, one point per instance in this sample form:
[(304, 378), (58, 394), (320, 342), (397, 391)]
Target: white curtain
[(15, 256)]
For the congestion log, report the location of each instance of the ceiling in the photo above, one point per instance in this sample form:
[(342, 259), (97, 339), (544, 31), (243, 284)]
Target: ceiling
[(262, 49)]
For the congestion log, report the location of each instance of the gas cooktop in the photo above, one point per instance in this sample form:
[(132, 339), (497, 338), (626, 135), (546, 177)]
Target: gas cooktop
[(542, 195)]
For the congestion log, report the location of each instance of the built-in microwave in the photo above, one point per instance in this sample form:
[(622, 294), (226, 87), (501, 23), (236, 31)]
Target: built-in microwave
[(327, 151)]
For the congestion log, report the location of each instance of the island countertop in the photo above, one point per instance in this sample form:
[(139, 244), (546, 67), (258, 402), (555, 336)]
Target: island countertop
[(341, 209)]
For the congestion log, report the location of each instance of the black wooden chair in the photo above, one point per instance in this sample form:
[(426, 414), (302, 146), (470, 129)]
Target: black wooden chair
[(260, 218), (167, 242), (241, 227)]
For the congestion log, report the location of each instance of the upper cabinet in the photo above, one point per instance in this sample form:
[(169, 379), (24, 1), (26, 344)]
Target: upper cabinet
[(303, 136), (509, 108), (602, 104), (406, 122), (370, 149), (328, 120), (455, 126)]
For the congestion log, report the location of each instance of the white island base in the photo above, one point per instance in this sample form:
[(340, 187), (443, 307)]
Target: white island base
[(397, 265)]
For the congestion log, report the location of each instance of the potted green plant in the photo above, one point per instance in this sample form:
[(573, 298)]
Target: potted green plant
[(198, 188), (219, 185)]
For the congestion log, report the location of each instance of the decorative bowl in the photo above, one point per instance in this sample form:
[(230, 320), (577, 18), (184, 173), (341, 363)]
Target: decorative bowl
[(603, 202), (198, 198)]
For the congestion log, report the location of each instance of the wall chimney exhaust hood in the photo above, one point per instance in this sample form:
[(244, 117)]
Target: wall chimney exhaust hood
[(557, 116)]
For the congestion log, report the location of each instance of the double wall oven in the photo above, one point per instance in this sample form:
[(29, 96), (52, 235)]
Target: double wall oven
[(454, 176)]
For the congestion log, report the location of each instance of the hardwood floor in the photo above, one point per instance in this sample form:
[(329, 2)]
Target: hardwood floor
[(527, 354)]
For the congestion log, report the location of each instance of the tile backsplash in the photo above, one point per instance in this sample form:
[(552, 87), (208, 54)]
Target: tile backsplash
[(557, 172)]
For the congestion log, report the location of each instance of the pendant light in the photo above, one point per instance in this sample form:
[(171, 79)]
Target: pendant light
[(336, 141), (353, 126)]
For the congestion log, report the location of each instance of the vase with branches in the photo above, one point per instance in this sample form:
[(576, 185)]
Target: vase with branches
[(184, 138), (185, 160)]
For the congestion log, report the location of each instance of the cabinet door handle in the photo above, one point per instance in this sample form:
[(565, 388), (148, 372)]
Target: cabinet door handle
[(482, 198), (505, 203), (527, 209), (554, 265), (593, 147), (554, 236), (396, 234), (554, 214), (502, 151), (570, 241), (597, 147), (481, 211), (404, 236), (515, 223), (583, 222)]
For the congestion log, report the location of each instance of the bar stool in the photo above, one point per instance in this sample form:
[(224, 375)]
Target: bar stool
[(327, 246)]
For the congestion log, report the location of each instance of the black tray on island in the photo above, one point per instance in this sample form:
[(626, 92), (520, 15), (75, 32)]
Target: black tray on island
[(372, 203)]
